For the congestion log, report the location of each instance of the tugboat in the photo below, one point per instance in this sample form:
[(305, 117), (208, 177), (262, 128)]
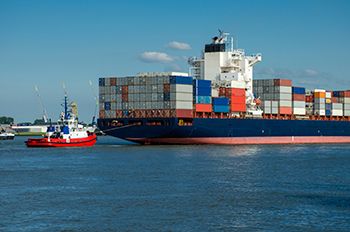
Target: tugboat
[(68, 132)]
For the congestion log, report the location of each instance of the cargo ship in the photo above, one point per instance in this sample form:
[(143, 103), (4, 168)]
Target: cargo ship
[(218, 102)]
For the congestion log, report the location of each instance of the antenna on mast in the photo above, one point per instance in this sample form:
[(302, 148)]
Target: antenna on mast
[(65, 101), (45, 117)]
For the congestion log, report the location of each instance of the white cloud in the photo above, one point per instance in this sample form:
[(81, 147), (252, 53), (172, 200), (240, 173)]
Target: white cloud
[(156, 57), (179, 45)]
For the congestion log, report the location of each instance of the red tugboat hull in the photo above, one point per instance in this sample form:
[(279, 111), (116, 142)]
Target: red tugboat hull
[(58, 142)]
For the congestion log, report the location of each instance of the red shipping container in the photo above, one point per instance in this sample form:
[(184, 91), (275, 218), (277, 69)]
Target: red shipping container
[(166, 88), (334, 100), (238, 107), (113, 81), (203, 108), (286, 110), (282, 82), (184, 113), (298, 97), (222, 91), (235, 92), (347, 93), (124, 89), (238, 100), (125, 97)]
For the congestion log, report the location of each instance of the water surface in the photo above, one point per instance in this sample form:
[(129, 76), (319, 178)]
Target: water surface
[(113, 187)]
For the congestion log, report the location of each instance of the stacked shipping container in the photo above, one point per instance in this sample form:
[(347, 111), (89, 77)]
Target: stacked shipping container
[(342, 99), (202, 95), (119, 96), (320, 102), (181, 96), (275, 94), (221, 105), (298, 101)]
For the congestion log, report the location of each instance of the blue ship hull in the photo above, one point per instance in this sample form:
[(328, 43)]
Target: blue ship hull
[(226, 131)]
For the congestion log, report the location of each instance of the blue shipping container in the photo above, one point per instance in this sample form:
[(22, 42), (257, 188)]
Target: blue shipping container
[(221, 109), (202, 83), (336, 93), (203, 99), (328, 106), (107, 106), (328, 112), (181, 80), (101, 82), (166, 96), (220, 101), (298, 90), (202, 91)]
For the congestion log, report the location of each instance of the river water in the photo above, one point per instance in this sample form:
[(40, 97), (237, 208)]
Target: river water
[(121, 187)]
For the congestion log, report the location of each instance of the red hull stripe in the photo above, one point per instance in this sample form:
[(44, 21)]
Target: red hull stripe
[(246, 140)]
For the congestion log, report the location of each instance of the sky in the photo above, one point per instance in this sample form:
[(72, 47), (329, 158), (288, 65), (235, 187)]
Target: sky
[(48, 43)]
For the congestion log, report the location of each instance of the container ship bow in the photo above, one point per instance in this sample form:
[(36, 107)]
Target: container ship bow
[(218, 102)]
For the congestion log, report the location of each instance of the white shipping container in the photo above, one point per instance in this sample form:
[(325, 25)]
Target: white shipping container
[(180, 96), (319, 100), (346, 112), (337, 112), (107, 98), (113, 106), (274, 110), (346, 100), (285, 103), (346, 106), (319, 106), (283, 89), (267, 104), (274, 104), (283, 96), (319, 91), (299, 111), (328, 95), (182, 105), (113, 98), (181, 88), (101, 90), (107, 81), (337, 106), (298, 104), (154, 96), (267, 110), (320, 112)]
